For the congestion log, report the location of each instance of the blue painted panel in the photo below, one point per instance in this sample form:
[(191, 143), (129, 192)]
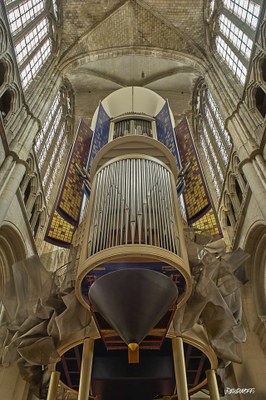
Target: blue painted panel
[(100, 134), (165, 131)]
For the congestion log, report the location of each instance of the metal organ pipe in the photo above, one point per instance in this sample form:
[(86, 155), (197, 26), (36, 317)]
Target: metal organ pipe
[(134, 205)]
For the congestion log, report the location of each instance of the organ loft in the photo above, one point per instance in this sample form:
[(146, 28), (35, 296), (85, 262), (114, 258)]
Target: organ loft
[(132, 200)]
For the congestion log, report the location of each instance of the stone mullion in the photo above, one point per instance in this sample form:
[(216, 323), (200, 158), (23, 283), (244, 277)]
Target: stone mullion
[(39, 90), (30, 203), (222, 88), (235, 201), (207, 174), (211, 157), (27, 28), (25, 182), (237, 52), (216, 149), (221, 134), (240, 180), (241, 135), (48, 129), (35, 217), (33, 53), (50, 153), (230, 213), (205, 165), (239, 23)]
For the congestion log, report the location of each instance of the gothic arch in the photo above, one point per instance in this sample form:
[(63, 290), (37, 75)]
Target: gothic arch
[(252, 98), (3, 37), (236, 168), (259, 63), (9, 63), (230, 212), (12, 249), (263, 35), (37, 217), (256, 246), (79, 60), (3, 73), (235, 191)]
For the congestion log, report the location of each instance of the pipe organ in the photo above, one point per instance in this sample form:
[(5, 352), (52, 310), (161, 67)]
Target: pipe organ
[(133, 265)]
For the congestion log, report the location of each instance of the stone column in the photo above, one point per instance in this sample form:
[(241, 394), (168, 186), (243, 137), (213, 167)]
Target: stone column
[(10, 188), (86, 369), (256, 186), (6, 168), (180, 368)]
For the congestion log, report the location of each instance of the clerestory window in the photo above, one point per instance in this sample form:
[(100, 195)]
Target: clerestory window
[(214, 140), (30, 25), (246, 10), (234, 39), (52, 140)]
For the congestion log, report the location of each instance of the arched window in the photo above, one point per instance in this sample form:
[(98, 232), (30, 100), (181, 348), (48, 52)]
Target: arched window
[(234, 39), (260, 98), (246, 10), (52, 141), (263, 69), (30, 25), (215, 141), (6, 101)]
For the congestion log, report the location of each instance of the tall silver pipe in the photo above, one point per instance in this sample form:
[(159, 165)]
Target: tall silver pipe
[(135, 205)]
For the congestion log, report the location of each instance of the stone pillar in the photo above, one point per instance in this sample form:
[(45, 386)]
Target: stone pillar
[(256, 186), (86, 369), (180, 368), (212, 384), (53, 385), (8, 191), (5, 168)]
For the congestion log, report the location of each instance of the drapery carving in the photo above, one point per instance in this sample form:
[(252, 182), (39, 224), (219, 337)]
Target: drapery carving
[(40, 310), (215, 300)]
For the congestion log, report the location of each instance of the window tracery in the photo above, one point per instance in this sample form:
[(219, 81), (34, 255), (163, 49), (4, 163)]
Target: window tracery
[(52, 141), (215, 142), (234, 34), (246, 10), (31, 26), (231, 59)]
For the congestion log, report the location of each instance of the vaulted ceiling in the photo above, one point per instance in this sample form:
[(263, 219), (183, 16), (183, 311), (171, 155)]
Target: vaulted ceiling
[(109, 44)]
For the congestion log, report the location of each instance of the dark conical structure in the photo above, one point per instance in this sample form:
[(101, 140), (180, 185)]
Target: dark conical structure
[(133, 300)]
